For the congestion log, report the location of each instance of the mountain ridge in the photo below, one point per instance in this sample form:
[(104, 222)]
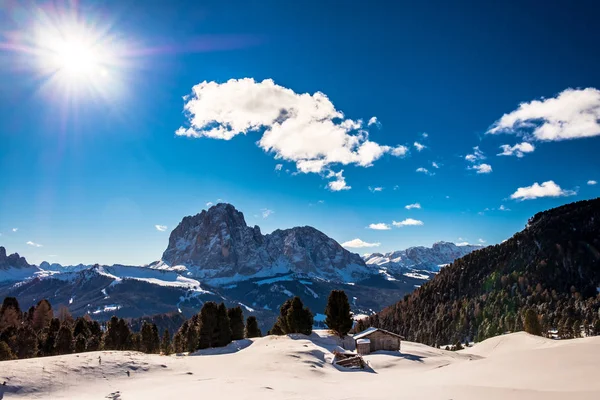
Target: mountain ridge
[(552, 268)]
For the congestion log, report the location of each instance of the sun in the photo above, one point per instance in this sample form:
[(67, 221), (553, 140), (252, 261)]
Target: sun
[(76, 60), (73, 54)]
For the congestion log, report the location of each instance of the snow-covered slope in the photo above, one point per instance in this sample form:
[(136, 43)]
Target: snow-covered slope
[(14, 268), (299, 367), (218, 247)]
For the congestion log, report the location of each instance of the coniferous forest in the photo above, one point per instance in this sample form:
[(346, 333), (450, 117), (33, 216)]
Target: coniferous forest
[(42, 331), (545, 280)]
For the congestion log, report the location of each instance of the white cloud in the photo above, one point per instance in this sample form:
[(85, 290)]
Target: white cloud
[(425, 171), (375, 189), (15, 229), (482, 168), (160, 228), (481, 240), (434, 164), (374, 121), (518, 150), (357, 243), (209, 204), (411, 206), (303, 128), (591, 182), (266, 212), (380, 226), (408, 222), (339, 183), (573, 113), (34, 244), (396, 187), (425, 134), (278, 167), (502, 208), (463, 244), (546, 189), (399, 151), (321, 201), (475, 156), (419, 146)]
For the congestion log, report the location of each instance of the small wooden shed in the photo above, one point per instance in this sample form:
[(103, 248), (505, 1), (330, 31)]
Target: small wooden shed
[(363, 346), (377, 339)]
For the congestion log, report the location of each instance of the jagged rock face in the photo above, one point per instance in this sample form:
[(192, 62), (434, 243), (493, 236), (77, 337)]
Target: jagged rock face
[(13, 260), (429, 258), (218, 245)]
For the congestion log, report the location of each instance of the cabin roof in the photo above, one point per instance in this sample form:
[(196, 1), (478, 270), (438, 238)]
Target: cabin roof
[(362, 341), (371, 330)]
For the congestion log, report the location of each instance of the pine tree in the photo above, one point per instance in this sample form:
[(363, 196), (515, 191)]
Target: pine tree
[(236, 322), (64, 340), (80, 343), (155, 339), (223, 327), (192, 338), (208, 325), (6, 353), (532, 323), (111, 336), (147, 338), (10, 302), (166, 343), (252, 329), (293, 318), (26, 342), (337, 311)]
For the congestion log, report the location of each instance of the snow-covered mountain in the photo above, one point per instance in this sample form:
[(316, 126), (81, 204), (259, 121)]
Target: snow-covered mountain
[(420, 258), (218, 247), (216, 256)]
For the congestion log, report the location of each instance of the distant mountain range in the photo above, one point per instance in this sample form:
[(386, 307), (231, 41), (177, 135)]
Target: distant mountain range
[(552, 268), (216, 256)]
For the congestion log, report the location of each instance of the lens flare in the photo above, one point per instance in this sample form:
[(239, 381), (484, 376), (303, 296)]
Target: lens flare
[(73, 54)]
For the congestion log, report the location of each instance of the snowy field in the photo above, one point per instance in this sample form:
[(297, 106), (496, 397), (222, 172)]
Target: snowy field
[(515, 366)]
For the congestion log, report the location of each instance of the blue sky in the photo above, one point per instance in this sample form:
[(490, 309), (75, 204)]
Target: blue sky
[(90, 160)]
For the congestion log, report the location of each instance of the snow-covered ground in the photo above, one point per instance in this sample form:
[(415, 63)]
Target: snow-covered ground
[(515, 366)]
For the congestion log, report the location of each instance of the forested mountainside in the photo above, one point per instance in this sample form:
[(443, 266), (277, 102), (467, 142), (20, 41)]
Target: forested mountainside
[(551, 267)]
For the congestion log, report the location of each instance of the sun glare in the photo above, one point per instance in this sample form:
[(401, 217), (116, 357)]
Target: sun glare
[(72, 54)]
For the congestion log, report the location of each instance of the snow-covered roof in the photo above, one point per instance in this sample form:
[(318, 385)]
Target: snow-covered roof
[(364, 333), (369, 331), (363, 341)]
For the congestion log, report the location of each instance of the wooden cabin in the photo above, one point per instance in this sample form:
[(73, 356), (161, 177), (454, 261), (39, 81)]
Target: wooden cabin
[(374, 339)]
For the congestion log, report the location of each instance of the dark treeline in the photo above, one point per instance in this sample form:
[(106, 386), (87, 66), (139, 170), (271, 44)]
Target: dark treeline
[(543, 280), (38, 332)]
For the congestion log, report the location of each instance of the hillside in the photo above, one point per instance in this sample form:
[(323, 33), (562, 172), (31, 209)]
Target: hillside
[(551, 267), (279, 367)]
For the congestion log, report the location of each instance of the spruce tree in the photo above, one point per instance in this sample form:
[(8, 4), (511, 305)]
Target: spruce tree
[(293, 318), (64, 340), (111, 336), (192, 339), (26, 342), (236, 322), (80, 343), (208, 325), (337, 311), (6, 353), (166, 343), (252, 329), (223, 326), (155, 339), (532, 323), (147, 338)]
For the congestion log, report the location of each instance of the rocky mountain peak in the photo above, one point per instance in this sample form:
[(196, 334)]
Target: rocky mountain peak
[(13, 260), (217, 245)]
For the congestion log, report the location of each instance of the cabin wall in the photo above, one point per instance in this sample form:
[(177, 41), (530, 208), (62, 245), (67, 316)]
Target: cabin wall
[(383, 341)]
